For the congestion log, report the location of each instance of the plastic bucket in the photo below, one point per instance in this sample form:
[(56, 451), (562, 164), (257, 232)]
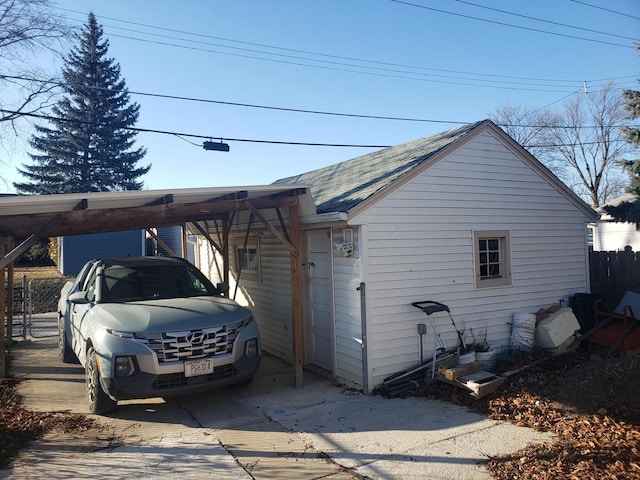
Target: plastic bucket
[(523, 331), (487, 360), (467, 358)]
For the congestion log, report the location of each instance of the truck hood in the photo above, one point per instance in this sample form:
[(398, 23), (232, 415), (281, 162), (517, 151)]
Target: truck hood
[(172, 314)]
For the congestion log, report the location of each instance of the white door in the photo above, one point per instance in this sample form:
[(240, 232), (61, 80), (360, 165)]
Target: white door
[(320, 311)]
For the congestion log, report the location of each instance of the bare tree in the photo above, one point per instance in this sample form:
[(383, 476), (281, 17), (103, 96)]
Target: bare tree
[(590, 143), (27, 28), (527, 126), (583, 144)]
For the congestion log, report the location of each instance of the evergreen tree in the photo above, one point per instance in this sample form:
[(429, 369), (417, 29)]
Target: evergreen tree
[(88, 147), (630, 211)]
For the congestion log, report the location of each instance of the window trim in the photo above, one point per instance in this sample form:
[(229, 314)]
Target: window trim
[(238, 245), (504, 245)]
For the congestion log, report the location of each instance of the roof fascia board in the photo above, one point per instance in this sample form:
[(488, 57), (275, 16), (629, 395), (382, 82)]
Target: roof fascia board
[(324, 220), (78, 222), (517, 149), (545, 173), (417, 170)]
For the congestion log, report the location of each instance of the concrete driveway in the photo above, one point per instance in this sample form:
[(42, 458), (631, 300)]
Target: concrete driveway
[(268, 430)]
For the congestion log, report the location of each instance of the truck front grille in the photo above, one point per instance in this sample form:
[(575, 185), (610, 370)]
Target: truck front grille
[(193, 344)]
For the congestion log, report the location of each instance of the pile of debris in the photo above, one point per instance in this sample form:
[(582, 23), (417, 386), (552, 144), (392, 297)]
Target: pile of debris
[(408, 381), (589, 402), (552, 330), (19, 426)]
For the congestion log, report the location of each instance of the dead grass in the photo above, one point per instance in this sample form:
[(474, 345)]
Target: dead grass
[(33, 273)]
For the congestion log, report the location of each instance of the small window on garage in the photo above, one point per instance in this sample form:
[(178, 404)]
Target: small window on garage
[(247, 259), (492, 251)]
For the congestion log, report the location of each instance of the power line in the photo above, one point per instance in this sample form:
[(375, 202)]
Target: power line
[(317, 54), (267, 107), (606, 9), (248, 105), (273, 142), (504, 24), (556, 101), (305, 52), (392, 73), (546, 21), (192, 135)]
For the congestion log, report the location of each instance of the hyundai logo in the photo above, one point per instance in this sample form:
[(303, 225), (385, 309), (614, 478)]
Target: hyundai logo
[(196, 337)]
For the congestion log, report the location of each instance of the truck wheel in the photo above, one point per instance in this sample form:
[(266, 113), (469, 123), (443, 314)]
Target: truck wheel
[(64, 351), (99, 401)]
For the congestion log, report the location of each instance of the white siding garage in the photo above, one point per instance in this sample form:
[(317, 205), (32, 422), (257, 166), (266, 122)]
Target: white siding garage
[(420, 246), (466, 217)]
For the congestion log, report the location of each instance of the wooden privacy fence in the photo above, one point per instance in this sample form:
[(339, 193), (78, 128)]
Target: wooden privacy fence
[(613, 273)]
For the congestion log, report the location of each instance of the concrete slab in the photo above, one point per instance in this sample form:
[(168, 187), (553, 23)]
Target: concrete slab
[(179, 456), (269, 430), (405, 438)]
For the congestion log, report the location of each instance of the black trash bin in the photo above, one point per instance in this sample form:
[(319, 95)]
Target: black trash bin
[(583, 309)]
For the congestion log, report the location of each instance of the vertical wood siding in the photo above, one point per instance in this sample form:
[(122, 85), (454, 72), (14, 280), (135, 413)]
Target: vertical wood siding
[(420, 247)]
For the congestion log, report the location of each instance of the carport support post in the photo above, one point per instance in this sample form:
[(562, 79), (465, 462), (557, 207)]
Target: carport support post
[(185, 250), (2, 309), (296, 289), (9, 295), (226, 227)]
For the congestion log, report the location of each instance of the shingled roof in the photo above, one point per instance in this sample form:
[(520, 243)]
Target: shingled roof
[(340, 187)]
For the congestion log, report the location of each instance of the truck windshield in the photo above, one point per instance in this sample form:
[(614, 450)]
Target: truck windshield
[(146, 282)]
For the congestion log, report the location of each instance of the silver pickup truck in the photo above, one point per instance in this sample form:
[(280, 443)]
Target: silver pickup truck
[(152, 327)]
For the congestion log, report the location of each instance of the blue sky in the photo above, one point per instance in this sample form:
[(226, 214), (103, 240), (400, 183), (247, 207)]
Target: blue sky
[(432, 60)]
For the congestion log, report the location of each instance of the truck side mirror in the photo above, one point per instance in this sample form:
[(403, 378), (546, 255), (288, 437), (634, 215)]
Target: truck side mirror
[(78, 298)]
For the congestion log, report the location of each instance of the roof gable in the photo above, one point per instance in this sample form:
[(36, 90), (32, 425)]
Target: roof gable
[(341, 187)]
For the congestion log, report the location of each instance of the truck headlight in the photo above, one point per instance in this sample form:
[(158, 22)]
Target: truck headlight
[(251, 348), (124, 366)]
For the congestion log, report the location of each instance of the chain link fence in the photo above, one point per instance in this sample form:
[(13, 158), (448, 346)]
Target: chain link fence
[(31, 300)]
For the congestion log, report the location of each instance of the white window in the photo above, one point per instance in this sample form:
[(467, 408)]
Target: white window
[(492, 251), (247, 259)]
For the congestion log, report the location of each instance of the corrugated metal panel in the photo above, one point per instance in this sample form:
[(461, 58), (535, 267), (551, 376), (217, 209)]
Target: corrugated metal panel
[(420, 240), (76, 250)]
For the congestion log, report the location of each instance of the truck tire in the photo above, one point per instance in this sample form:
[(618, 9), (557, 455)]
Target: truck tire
[(64, 351), (99, 401)]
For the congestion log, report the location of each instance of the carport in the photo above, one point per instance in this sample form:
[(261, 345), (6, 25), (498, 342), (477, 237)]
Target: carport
[(26, 219)]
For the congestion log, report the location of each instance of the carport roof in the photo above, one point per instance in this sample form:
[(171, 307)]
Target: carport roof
[(80, 213), (37, 216)]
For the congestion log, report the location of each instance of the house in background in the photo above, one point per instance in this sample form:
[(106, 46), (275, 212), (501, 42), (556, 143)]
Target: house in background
[(75, 250), (609, 235), (466, 217), (172, 237)]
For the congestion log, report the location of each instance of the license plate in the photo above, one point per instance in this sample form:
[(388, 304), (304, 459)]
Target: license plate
[(193, 368)]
